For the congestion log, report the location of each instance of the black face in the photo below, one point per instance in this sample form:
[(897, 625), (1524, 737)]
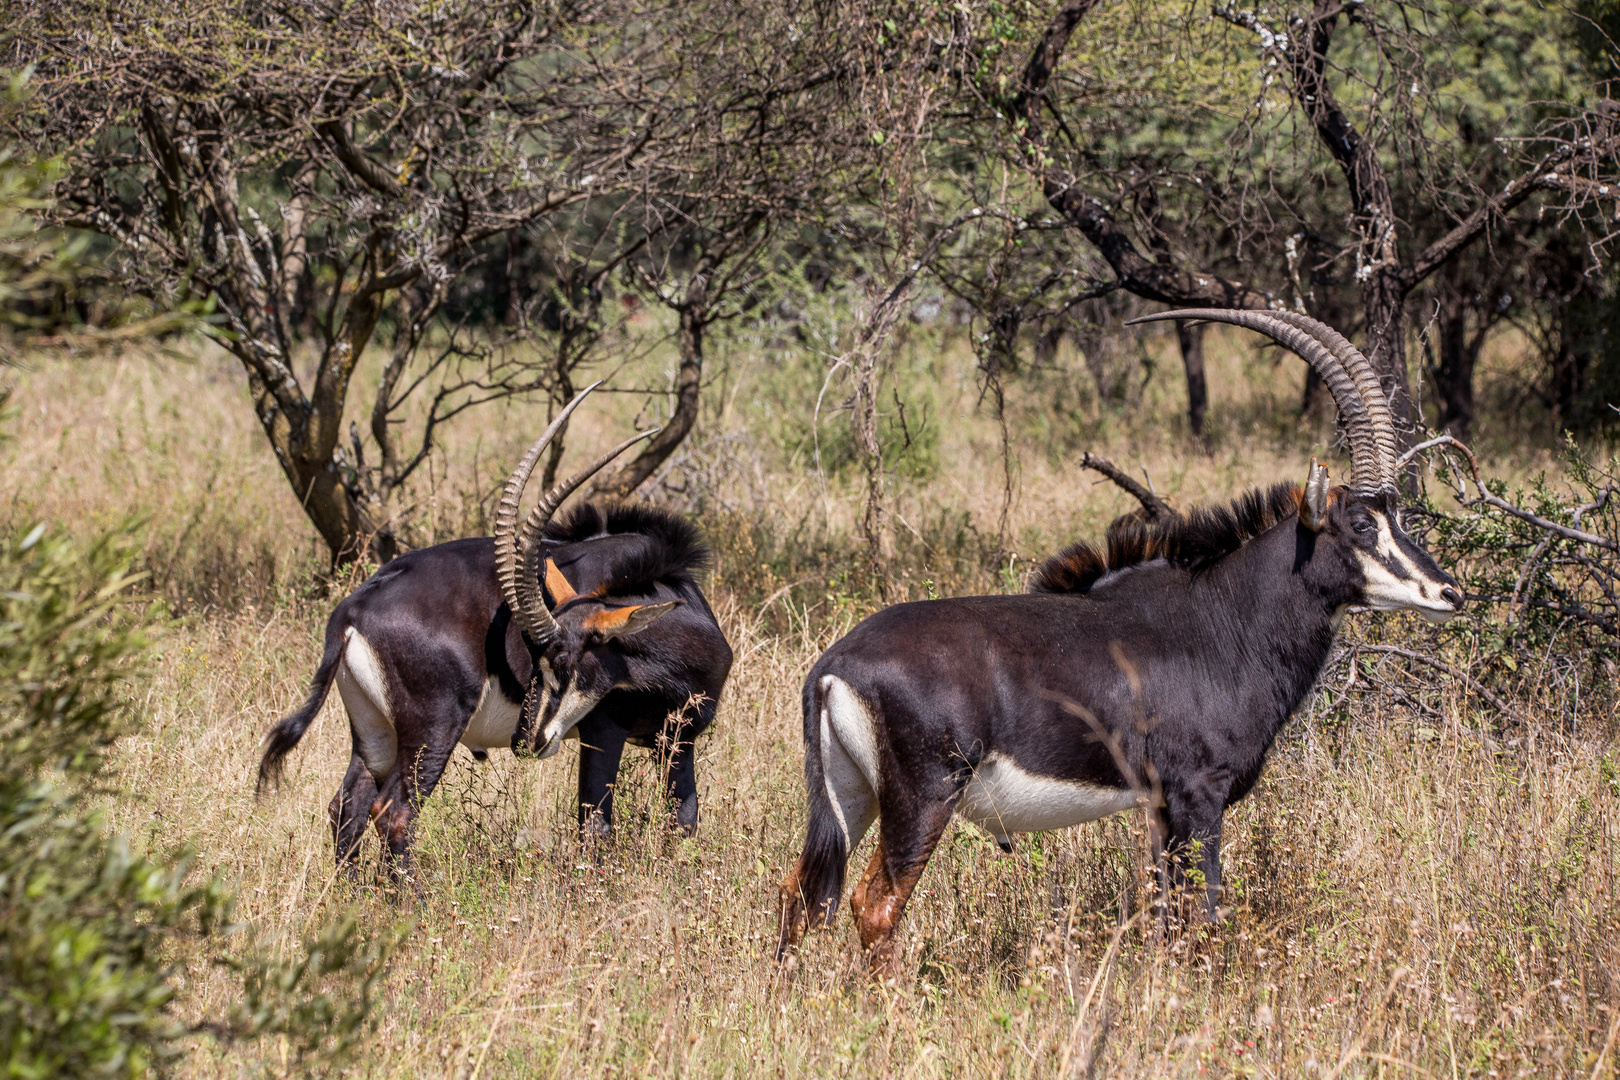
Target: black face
[(1379, 566), (581, 664)]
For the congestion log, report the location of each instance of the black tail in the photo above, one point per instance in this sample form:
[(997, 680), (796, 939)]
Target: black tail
[(826, 849), (285, 735)]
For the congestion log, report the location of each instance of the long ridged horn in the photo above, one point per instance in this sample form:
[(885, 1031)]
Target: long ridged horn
[(541, 627), (1365, 415), (1371, 387), (529, 547)]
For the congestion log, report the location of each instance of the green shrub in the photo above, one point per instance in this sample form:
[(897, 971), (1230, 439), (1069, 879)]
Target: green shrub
[(1550, 598), (82, 919), (91, 932)]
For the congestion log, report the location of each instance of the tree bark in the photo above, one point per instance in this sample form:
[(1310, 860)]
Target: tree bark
[(1191, 338), (1459, 353), (304, 430), (514, 288), (1384, 280), (694, 318), (1568, 379)]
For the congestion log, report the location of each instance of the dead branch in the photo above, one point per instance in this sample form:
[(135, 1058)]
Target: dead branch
[(1457, 673), (1487, 498), (1157, 510)]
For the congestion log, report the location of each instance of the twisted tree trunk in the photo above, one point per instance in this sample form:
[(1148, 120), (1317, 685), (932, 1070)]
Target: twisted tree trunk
[(1190, 336), (694, 317)]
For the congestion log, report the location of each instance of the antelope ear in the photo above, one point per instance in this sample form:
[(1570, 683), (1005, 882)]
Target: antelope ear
[(557, 585), (618, 622), (1313, 506)]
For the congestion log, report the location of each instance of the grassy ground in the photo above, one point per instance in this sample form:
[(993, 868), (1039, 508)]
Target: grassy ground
[(1417, 891)]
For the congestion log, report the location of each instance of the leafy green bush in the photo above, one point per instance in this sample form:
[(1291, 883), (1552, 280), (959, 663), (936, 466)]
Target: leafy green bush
[(82, 919), (1545, 557), (90, 931)]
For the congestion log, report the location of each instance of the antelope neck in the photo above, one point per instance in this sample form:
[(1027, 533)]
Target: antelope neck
[(1275, 622)]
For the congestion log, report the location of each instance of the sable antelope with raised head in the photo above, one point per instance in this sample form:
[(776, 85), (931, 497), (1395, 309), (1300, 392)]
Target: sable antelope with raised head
[(441, 645), (1177, 654)]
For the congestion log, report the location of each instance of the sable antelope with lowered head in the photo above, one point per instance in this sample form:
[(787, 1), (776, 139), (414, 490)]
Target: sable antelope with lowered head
[(1177, 654), (442, 644)]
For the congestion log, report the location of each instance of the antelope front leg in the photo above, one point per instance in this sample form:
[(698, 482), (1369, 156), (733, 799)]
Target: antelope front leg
[(601, 745), (1193, 822), (682, 789)]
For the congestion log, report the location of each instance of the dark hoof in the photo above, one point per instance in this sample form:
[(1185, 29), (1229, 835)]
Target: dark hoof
[(686, 815), (595, 830)]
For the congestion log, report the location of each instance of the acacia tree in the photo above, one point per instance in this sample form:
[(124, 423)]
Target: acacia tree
[(329, 173), (1367, 149)]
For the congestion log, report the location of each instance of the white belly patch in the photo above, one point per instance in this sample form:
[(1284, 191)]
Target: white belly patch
[(364, 689), (493, 721), (1004, 799)]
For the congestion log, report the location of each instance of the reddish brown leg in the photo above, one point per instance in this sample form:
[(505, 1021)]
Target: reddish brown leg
[(790, 924), (879, 899)]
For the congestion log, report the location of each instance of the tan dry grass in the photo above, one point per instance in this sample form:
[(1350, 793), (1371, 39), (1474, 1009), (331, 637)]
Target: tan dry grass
[(1416, 894)]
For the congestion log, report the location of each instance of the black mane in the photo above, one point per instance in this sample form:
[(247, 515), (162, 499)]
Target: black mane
[(1192, 539), (675, 549)]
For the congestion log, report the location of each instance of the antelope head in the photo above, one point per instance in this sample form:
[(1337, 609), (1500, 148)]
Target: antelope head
[(565, 631), (1361, 557)]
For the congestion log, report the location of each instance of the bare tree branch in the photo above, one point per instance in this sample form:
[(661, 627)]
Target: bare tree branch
[(1136, 272), (1157, 510)]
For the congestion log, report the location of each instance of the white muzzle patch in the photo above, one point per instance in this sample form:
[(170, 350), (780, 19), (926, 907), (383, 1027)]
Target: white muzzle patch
[(573, 708), (1394, 582)]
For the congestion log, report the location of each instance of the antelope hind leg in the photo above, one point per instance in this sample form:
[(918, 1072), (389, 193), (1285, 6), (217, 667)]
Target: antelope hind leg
[(879, 898), (347, 813)]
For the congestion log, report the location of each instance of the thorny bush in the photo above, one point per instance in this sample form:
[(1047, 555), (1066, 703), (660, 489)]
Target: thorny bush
[(1545, 556)]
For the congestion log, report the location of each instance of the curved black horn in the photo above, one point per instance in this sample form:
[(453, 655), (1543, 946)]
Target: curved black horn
[(1371, 387), (527, 583)]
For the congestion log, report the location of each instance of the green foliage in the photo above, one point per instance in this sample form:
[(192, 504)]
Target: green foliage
[(806, 390), (90, 931), (1555, 596), (318, 995), (82, 919)]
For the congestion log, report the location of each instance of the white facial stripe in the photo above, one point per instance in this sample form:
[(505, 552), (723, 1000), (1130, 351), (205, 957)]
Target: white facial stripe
[(570, 711), (1396, 583), (363, 685), (1003, 799)]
